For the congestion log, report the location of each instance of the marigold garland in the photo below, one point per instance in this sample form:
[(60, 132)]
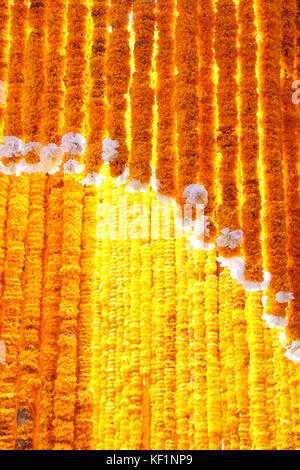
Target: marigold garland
[(141, 93), (165, 165), (108, 310), (227, 139), (4, 182), (170, 338), (115, 332), (118, 76), (199, 367), (119, 256), (65, 384), (213, 365), (84, 399), (182, 342), (207, 118), (51, 131), (290, 150), (186, 96), (241, 357), (28, 383), (268, 18), (231, 434), (96, 98), (4, 21), (158, 349), (16, 222), (11, 312), (259, 422), (134, 392), (249, 144)]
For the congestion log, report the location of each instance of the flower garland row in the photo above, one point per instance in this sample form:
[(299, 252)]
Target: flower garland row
[(186, 93), (141, 93), (32, 278), (68, 362), (117, 80), (51, 131), (16, 215)]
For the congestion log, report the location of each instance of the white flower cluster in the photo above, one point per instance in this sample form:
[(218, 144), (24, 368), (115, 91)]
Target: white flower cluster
[(93, 178), (283, 297), (195, 194), (50, 155), (135, 186), (109, 151), (236, 265), (229, 239), (273, 321), (293, 351)]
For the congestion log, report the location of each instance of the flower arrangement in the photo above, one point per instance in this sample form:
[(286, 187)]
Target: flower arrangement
[(149, 225)]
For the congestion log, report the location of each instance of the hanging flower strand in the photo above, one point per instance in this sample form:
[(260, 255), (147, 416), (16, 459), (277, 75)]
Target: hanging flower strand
[(16, 223), (250, 212), (96, 105), (274, 214), (226, 59), (29, 348), (207, 126), (186, 93), (74, 145), (290, 150), (117, 77), (141, 94), (165, 166)]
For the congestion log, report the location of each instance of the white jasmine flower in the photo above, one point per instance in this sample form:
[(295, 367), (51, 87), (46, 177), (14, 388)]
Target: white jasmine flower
[(123, 177), (51, 157), (92, 178), (10, 169), (195, 195), (201, 226), (73, 144), (229, 239), (34, 147), (283, 297), (293, 351), (109, 147), (252, 286), (236, 265), (255, 286), (72, 166), (273, 321), (264, 301), (198, 243), (135, 186), (12, 147), (283, 339), (30, 168)]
